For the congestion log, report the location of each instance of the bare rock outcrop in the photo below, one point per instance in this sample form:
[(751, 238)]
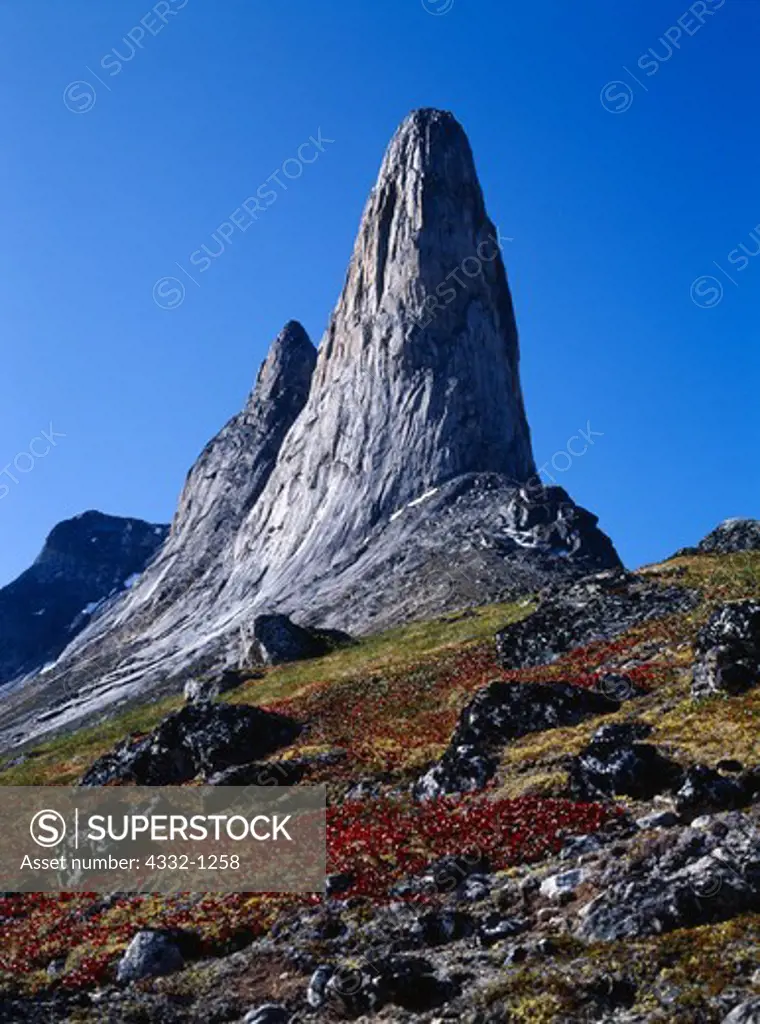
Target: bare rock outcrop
[(729, 537), (728, 651)]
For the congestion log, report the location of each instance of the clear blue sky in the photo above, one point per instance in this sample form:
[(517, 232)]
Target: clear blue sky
[(613, 215)]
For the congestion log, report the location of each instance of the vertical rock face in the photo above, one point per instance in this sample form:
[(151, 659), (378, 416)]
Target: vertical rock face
[(380, 481), (84, 561), (417, 378)]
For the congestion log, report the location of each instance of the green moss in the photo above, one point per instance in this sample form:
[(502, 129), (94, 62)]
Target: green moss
[(674, 974)]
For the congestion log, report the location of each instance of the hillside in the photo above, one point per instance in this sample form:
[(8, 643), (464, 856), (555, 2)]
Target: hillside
[(503, 927)]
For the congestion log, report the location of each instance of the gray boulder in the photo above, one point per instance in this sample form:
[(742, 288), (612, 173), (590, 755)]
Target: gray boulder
[(728, 651), (149, 954), (700, 876)]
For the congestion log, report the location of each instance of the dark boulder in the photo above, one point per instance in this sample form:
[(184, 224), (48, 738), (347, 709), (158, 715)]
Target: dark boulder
[(204, 737), (594, 608), (338, 883), (617, 763), (409, 982), (505, 711), (276, 639), (439, 927), (611, 992), (705, 789), (269, 1013), (499, 713), (728, 651), (697, 877)]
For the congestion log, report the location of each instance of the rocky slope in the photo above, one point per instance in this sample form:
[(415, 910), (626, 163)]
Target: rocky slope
[(609, 871), (728, 537), (393, 482), (84, 561)]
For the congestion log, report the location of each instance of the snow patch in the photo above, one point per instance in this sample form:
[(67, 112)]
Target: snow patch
[(411, 504), (423, 497)]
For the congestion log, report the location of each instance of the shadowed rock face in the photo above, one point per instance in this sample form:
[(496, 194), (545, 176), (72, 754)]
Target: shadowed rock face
[(383, 480), (84, 561)]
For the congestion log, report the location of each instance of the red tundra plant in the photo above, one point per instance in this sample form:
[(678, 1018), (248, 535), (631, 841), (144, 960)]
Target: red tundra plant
[(378, 843)]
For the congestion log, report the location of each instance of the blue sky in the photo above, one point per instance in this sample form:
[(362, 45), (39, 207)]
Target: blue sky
[(618, 197)]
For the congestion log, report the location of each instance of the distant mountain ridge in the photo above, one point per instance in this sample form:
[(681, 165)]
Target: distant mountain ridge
[(84, 561)]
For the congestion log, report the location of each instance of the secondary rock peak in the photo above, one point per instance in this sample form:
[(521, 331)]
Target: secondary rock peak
[(289, 365)]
